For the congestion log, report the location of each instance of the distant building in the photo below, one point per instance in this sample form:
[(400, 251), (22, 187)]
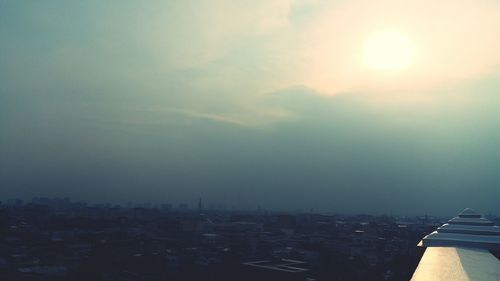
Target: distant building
[(166, 207), (14, 202)]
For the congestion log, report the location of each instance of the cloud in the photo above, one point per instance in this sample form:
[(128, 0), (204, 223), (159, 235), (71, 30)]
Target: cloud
[(221, 58), (265, 116), (212, 117)]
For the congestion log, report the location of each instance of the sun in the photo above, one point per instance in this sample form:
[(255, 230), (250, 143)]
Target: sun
[(388, 51)]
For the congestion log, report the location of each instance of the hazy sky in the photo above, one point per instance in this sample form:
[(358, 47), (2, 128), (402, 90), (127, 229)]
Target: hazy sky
[(270, 103)]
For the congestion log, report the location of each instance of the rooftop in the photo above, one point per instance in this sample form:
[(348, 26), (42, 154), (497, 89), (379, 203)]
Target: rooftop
[(469, 229), (286, 265)]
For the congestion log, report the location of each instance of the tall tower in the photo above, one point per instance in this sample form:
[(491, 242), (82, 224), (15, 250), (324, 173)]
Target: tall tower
[(200, 206)]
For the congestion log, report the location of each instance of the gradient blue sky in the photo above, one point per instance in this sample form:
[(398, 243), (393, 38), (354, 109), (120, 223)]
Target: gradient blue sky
[(251, 103)]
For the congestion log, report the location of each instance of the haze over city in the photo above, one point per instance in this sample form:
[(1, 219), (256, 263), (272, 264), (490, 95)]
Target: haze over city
[(341, 106)]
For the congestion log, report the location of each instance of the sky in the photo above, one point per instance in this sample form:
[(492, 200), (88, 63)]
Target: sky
[(340, 106)]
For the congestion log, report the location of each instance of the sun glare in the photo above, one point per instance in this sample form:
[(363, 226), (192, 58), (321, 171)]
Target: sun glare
[(388, 50)]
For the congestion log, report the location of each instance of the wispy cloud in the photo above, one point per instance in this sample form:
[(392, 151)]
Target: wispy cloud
[(259, 115), (212, 117)]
